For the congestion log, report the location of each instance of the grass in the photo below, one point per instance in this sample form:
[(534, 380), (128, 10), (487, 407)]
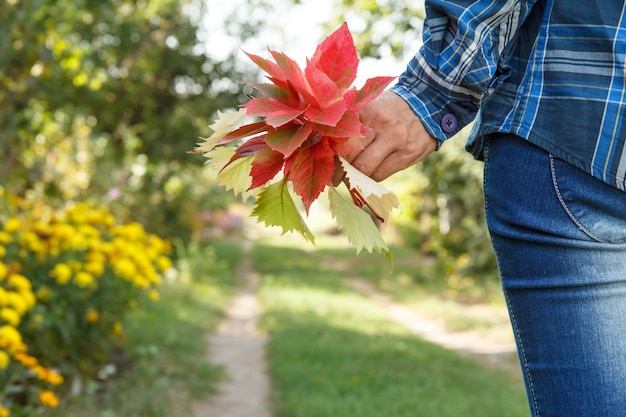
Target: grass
[(334, 353), (164, 366)]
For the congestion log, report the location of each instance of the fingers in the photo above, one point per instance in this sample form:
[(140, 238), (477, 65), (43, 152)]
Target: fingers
[(397, 138)]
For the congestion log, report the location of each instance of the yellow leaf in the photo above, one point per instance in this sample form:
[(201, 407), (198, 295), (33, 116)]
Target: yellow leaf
[(224, 124), (381, 200)]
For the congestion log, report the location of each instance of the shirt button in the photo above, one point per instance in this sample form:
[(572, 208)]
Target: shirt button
[(449, 123)]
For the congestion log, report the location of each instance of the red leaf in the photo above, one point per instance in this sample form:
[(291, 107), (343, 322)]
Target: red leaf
[(276, 113), (266, 65), (337, 57), (372, 89), (310, 170), (251, 146), (287, 139), (346, 146), (244, 131), (291, 71), (323, 88), (328, 116), (271, 91), (267, 163), (349, 125)]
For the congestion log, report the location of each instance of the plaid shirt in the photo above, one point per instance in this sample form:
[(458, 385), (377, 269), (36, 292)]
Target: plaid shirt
[(550, 71)]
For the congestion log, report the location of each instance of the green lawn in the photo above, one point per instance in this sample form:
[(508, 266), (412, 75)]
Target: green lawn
[(334, 353)]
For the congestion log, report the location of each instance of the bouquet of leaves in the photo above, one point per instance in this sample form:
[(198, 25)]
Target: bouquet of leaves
[(307, 122)]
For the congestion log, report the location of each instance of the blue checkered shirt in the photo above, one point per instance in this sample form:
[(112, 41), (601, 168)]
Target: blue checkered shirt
[(550, 71)]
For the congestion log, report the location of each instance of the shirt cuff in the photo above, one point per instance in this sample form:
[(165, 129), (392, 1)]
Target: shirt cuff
[(442, 116)]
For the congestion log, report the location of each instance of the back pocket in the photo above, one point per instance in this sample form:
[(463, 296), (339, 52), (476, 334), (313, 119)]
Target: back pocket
[(598, 209)]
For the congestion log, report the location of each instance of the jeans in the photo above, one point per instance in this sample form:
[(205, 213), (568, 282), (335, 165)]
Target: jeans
[(560, 241)]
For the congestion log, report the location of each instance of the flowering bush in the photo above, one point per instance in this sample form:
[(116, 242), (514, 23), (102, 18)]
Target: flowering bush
[(67, 279)]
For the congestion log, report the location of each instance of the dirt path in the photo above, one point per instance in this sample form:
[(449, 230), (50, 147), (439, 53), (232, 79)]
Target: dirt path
[(239, 348), (468, 342)]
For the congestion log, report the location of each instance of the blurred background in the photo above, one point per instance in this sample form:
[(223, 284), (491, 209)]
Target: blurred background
[(100, 100)]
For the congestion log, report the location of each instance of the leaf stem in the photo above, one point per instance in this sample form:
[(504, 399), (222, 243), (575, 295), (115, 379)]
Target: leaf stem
[(360, 201)]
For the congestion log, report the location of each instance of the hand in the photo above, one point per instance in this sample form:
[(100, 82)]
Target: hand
[(397, 139)]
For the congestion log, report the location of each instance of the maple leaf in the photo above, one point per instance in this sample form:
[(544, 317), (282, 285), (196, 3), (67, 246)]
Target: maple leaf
[(275, 207), (276, 113), (370, 90), (311, 171), (223, 125), (287, 139), (308, 118), (380, 200), (357, 225), (336, 56), (267, 163), (235, 174)]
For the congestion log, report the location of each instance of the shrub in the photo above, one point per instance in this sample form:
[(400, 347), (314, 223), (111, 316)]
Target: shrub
[(68, 277)]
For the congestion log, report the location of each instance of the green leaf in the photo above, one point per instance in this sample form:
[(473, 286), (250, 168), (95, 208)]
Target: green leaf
[(234, 175), (275, 207), (356, 224)]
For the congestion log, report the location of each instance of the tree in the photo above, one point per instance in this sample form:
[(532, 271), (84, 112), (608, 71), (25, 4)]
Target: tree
[(102, 99)]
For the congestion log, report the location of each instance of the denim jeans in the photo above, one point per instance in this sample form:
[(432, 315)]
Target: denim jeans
[(560, 240)]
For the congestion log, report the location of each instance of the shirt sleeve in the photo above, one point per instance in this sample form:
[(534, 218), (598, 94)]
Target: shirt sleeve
[(458, 62)]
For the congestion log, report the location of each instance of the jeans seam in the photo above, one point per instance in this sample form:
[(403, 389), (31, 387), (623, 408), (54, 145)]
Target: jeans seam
[(531, 384), (524, 359), (571, 215)]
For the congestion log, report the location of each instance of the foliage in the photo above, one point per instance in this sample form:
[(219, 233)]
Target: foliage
[(444, 215), (309, 122), (442, 196), (97, 96), (68, 277), (165, 369)]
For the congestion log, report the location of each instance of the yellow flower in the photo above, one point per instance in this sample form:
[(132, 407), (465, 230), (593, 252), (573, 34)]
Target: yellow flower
[(20, 303), (5, 359), (31, 241), (30, 299), (83, 279), (164, 263), (12, 225), (141, 281), (48, 398), (4, 412), (54, 378), (43, 294), (49, 375), (5, 237), (118, 329), (3, 271), (10, 316), (26, 360), (124, 268), (20, 282), (95, 268), (92, 316), (10, 336), (62, 272), (153, 295), (95, 216), (3, 250)]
